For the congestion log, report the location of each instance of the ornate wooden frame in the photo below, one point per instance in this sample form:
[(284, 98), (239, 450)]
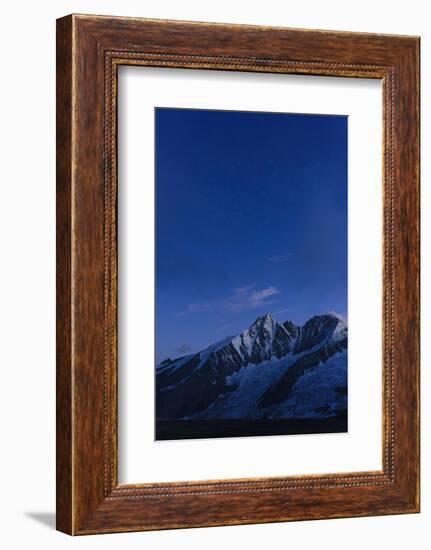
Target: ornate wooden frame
[(89, 51)]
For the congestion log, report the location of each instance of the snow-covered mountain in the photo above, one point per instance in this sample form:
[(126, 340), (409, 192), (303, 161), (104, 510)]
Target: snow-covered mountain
[(270, 370)]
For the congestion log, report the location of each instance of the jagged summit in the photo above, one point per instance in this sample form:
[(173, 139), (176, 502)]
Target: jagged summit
[(267, 318), (317, 330), (264, 322)]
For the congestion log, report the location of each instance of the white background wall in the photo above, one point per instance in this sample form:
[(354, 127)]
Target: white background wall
[(27, 245)]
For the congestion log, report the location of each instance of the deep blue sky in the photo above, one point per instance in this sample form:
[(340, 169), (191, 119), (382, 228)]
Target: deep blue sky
[(251, 217)]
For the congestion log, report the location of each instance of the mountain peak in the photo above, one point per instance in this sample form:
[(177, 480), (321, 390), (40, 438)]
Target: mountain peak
[(337, 316), (266, 320), (319, 329)]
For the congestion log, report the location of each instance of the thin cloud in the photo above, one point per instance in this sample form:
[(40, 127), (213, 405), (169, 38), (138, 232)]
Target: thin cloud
[(197, 307), (248, 298), (280, 311), (240, 299), (280, 258), (259, 295), (240, 291)]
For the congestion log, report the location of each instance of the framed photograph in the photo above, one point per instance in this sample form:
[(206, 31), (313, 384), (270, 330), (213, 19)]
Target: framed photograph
[(237, 274), (239, 264)]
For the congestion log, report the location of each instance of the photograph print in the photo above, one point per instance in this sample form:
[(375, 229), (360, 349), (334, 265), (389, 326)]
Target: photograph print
[(251, 273)]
